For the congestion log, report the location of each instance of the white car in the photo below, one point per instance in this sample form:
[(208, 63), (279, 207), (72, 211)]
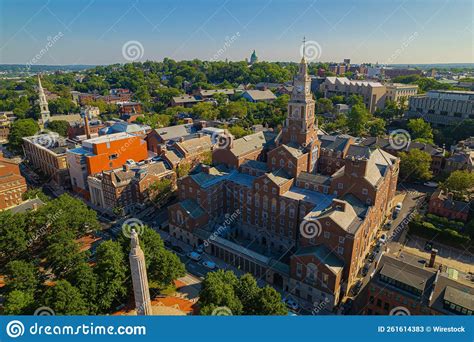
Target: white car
[(430, 184), (194, 256), (209, 264), (290, 303), (398, 207), (383, 239)]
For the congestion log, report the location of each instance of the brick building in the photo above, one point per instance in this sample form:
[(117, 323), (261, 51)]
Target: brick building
[(103, 153), (127, 186), (417, 289), (12, 183), (270, 189), (47, 153), (443, 204)]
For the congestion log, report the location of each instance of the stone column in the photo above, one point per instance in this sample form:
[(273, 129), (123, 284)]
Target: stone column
[(141, 291)]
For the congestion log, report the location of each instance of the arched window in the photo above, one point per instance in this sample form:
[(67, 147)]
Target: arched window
[(282, 162), (179, 217), (311, 272)]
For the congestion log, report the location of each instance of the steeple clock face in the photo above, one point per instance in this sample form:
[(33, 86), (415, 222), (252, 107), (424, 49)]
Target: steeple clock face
[(296, 112)]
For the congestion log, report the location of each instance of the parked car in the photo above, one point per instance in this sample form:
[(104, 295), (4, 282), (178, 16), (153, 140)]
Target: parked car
[(194, 256), (200, 249), (365, 269), (291, 303), (209, 264), (387, 225), (383, 239), (371, 257), (347, 306), (398, 207), (356, 288), (431, 184)]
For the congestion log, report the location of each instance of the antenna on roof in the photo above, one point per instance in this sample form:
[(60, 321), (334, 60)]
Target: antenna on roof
[(304, 46)]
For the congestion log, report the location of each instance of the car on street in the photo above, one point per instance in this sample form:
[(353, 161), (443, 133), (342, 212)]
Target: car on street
[(430, 184), (371, 257), (428, 246), (200, 249), (291, 303), (356, 288), (194, 256), (347, 306), (209, 264), (387, 225), (383, 239), (398, 207), (365, 269)]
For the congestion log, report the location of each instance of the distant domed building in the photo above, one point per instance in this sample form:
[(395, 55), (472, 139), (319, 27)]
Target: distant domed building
[(253, 58)]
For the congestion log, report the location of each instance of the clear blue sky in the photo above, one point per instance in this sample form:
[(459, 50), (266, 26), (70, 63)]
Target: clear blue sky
[(94, 31)]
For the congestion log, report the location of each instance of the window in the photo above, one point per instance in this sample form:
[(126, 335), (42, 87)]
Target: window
[(113, 156), (274, 191), (340, 250), (282, 163), (341, 239), (327, 235), (273, 160), (299, 269), (257, 186), (365, 191), (340, 186)]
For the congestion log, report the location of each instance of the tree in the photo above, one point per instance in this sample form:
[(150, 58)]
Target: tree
[(324, 105), (19, 129), (18, 302), (415, 165), (357, 119), (63, 253), (218, 290), (13, 234), (269, 302), (59, 126), (234, 109), (21, 276), (111, 272), (35, 193), (65, 299), (460, 183), (248, 292), (337, 99), (205, 111), (376, 127), (161, 191), (84, 278), (420, 130), (238, 131), (183, 169)]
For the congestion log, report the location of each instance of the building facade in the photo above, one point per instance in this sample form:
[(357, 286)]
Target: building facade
[(12, 183), (253, 207)]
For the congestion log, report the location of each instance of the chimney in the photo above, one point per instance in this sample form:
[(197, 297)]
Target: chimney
[(126, 167), (434, 252), (338, 204), (87, 129)]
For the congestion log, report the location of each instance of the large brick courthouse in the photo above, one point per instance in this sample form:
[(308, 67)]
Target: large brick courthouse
[(266, 187)]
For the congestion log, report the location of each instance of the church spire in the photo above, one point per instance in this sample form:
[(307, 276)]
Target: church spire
[(43, 103), (141, 291)]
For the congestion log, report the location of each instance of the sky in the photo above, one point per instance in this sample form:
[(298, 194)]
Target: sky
[(105, 31)]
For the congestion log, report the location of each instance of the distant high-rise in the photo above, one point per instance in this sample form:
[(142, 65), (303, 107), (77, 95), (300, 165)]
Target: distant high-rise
[(43, 103), (141, 291), (253, 58)]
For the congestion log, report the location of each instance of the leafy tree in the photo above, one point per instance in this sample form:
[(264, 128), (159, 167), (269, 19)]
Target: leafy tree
[(84, 278), (376, 127), (59, 126), (324, 105), (35, 193), (161, 191), (65, 299), (218, 290), (234, 109), (238, 131), (248, 292), (357, 119), (19, 129), (337, 99), (111, 272), (22, 276), (18, 302), (183, 169), (13, 235), (62, 105), (63, 253), (353, 100), (460, 183), (415, 165), (420, 130), (205, 111), (269, 302)]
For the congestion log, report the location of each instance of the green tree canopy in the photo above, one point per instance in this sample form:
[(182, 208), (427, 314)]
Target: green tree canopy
[(420, 130), (415, 166), (21, 128), (65, 299), (461, 183)]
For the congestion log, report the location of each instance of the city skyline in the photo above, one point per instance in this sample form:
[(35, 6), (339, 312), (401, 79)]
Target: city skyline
[(93, 32)]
